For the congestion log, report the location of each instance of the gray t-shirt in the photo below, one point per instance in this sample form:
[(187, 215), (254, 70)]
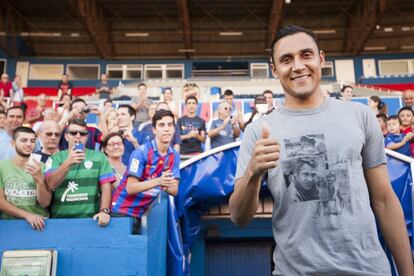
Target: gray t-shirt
[(322, 220)]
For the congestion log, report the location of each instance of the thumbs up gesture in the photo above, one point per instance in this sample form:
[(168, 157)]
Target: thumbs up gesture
[(266, 152)]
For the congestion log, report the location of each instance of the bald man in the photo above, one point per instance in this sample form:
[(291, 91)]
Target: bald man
[(408, 98), (49, 134)]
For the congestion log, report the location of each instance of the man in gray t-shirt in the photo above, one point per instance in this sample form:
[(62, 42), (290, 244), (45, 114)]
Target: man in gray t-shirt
[(324, 171)]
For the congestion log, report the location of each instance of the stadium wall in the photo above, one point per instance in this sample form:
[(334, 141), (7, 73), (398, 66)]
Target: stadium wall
[(86, 249)]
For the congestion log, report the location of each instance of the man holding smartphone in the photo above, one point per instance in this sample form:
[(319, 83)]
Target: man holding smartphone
[(23, 192), (81, 178), (153, 167)]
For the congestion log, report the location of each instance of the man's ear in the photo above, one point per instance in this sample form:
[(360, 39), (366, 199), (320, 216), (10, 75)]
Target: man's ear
[(322, 57), (273, 69)]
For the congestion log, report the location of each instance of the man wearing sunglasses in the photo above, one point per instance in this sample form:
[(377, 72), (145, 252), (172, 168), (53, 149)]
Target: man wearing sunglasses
[(81, 178), (49, 134)]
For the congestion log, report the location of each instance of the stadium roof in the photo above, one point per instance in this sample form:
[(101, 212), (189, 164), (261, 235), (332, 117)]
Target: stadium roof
[(195, 29)]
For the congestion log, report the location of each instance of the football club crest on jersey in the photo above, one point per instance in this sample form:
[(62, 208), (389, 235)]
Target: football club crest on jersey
[(88, 164), (134, 165)]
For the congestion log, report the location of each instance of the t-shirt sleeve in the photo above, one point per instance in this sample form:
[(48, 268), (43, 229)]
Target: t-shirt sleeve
[(106, 174), (213, 125), (98, 136), (373, 153), (246, 149), (176, 168), (137, 163)]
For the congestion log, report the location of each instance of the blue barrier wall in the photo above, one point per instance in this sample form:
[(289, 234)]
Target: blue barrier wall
[(86, 249)]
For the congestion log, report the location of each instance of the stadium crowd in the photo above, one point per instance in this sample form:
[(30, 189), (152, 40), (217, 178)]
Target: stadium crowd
[(55, 165)]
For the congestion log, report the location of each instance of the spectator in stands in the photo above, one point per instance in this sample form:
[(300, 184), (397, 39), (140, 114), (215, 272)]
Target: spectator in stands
[(107, 105), (347, 93), (5, 87), (64, 87), (2, 120), (48, 115), (103, 89), (408, 98), (111, 120), (35, 114), (145, 128), (377, 105), (113, 146), (190, 89), (154, 167), (225, 129), (406, 115), (234, 112), (167, 96), (259, 109), (191, 128), (141, 104), (17, 94), (268, 94), (23, 192), (14, 119), (395, 140), (147, 132), (49, 134), (79, 110), (81, 178), (64, 110), (382, 121), (126, 117)]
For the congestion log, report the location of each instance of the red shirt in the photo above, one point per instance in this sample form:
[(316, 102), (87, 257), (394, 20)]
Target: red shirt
[(6, 88)]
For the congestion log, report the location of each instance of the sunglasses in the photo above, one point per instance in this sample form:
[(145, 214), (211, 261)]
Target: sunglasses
[(81, 133), (50, 134)]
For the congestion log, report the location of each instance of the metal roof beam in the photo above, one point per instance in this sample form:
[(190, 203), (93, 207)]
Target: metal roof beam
[(275, 20), (185, 21)]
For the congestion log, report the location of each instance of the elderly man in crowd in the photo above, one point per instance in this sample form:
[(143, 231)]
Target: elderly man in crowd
[(49, 134), (225, 129), (408, 98)]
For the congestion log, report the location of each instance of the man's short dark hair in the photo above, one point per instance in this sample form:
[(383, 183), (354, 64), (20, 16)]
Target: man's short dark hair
[(192, 97), (161, 114), (107, 101), (15, 107), (78, 122), (267, 92), (346, 87), (142, 84), (228, 92), (408, 108), (131, 110), (290, 30), (77, 100), (22, 129), (394, 117), (382, 116)]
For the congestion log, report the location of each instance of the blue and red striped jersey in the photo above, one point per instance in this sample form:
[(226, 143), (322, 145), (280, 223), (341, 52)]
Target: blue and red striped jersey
[(145, 163)]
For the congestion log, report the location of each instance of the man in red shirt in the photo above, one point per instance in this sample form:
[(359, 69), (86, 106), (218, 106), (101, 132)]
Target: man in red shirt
[(5, 86)]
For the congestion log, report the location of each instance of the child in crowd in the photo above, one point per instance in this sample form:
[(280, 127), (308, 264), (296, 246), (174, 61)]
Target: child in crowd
[(406, 115), (382, 119), (395, 140)]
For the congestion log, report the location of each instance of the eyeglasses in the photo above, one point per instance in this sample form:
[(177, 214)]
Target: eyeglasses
[(115, 144), (81, 133), (50, 134)]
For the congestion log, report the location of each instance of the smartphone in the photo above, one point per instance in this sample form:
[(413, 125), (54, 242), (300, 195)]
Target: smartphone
[(79, 147), (34, 157)]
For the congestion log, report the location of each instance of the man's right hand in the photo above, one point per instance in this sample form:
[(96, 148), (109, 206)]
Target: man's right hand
[(166, 180), (266, 153), (36, 222), (76, 156)]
